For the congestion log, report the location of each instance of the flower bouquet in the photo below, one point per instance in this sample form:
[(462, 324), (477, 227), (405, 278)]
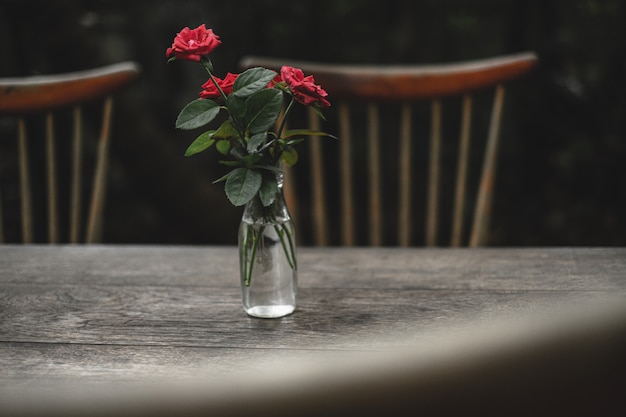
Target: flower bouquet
[(253, 138)]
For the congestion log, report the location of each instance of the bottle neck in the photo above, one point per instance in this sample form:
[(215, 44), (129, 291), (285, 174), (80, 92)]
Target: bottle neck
[(276, 212)]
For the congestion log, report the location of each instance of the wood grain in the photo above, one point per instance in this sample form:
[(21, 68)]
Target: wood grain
[(84, 315), (38, 93), (398, 83)]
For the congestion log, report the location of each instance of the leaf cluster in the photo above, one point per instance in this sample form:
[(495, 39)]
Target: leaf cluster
[(245, 136)]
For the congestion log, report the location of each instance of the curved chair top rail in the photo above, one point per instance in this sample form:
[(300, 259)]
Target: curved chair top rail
[(37, 93), (406, 82)]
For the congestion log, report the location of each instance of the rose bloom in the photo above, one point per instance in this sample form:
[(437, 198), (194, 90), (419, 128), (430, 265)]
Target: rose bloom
[(277, 80), (210, 91), (192, 45), (304, 89)]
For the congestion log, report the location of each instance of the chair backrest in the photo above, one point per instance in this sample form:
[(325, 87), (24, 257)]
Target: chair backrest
[(384, 92), (48, 99)]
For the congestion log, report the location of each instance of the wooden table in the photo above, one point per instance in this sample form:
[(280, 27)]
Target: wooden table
[(154, 330)]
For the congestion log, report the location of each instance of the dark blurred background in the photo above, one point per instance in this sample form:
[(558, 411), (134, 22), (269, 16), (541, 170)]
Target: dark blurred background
[(562, 170)]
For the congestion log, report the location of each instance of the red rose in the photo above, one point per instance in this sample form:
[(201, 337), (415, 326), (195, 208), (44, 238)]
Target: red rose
[(304, 89), (210, 91), (192, 45), (277, 80)]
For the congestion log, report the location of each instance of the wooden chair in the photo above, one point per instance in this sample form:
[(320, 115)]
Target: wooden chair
[(48, 99), (398, 90)]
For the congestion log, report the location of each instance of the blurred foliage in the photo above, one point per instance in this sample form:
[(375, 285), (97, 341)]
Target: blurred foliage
[(562, 170)]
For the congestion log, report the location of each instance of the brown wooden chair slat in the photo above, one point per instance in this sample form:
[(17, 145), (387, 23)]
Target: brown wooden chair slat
[(377, 87), (25, 98)]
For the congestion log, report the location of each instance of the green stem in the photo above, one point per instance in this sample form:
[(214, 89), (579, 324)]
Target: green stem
[(291, 246), (245, 254), (255, 244), (207, 66), (288, 246), (279, 132), (284, 121), (291, 259)]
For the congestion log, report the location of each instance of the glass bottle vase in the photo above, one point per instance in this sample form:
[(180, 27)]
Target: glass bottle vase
[(267, 258)]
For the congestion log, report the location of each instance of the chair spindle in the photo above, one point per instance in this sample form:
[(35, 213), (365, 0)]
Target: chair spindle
[(347, 205), (375, 220), (404, 199), (1, 218), (432, 210), (320, 223), (94, 224), (462, 166), (25, 194), (75, 203), (51, 170), (487, 180)]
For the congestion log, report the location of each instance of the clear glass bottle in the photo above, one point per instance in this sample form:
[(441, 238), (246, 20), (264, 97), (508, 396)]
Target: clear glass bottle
[(267, 258)]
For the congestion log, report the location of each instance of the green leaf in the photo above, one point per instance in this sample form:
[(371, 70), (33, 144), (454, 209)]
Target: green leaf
[(268, 190), (255, 141), (224, 178), (319, 112), (242, 185), (304, 132), (237, 110), (226, 131), (238, 152), (262, 110), (251, 160), (197, 113), (290, 156), (251, 81), (223, 146), (232, 163), (271, 168), (202, 142), (291, 142)]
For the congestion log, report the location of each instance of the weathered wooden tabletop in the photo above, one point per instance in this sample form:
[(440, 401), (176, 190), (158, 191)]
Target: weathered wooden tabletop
[(128, 316)]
